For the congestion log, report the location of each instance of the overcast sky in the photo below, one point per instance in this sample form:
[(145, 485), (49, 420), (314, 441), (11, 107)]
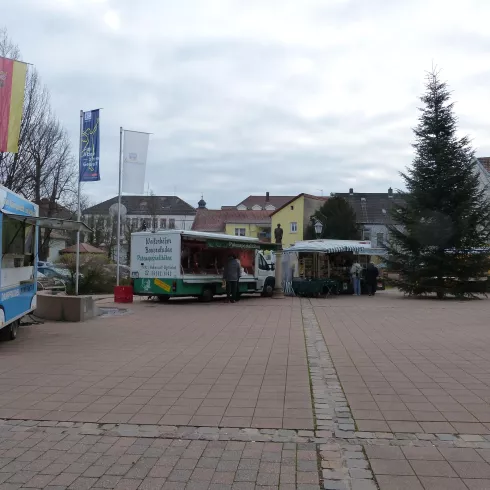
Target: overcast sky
[(249, 96)]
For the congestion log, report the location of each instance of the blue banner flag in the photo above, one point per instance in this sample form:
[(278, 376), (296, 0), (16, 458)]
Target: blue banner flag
[(90, 147)]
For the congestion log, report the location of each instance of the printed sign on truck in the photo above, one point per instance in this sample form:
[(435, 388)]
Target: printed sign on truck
[(155, 256)]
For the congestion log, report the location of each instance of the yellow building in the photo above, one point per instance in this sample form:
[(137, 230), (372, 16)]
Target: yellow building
[(295, 216)]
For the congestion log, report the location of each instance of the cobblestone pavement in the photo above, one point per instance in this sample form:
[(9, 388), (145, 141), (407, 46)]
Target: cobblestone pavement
[(264, 394)]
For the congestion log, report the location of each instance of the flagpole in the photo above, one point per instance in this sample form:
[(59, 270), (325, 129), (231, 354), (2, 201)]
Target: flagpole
[(119, 206), (77, 263)]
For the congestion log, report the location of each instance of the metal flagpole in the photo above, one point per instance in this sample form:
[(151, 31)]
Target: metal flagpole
[(77, 264), (119, 205)]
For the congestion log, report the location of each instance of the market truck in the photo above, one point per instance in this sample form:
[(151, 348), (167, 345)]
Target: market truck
[(178, 263), (19, 230)]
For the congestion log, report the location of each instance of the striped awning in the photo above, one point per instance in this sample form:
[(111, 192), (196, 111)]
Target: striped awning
[(328, 246)]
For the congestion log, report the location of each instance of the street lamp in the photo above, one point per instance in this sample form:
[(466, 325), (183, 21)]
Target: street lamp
[(318, 228)]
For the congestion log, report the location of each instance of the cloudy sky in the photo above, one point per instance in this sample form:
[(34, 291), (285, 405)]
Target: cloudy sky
[(249, 96)]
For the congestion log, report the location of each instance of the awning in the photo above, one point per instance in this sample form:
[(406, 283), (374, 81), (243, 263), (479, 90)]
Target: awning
[(53, 223), (232, 244), (330, 246)]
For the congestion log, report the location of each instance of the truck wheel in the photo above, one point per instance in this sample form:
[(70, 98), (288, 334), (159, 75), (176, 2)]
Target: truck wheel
[(268, 289), (13, 327), (207, 295), (163, 299)]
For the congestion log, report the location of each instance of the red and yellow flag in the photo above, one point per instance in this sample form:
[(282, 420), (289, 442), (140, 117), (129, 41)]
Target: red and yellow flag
[(12, 84)]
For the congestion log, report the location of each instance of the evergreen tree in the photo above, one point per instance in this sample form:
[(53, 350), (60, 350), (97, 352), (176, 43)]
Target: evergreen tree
[(338, 219), (447, 215)]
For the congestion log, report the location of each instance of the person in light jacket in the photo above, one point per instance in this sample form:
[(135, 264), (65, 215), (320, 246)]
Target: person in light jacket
[(355, 274), (231, 274)]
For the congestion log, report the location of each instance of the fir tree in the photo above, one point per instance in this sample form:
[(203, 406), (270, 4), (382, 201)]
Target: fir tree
[(338, 219), (447, 215)]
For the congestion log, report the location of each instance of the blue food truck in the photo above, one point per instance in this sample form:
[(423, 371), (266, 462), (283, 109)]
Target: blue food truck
[(19, 225)]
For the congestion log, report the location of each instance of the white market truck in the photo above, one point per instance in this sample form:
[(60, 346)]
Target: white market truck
[(177, 263)]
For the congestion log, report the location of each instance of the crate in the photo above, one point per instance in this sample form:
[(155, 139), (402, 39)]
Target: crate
[(123, 294)]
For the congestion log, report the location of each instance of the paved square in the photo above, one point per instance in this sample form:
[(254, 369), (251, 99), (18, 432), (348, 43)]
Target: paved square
[(240, 365), (57, 458), (411, 365)]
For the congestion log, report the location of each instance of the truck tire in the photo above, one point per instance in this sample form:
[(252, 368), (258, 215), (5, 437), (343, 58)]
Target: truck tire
[(12, 330), (268, 288), (207, 295)]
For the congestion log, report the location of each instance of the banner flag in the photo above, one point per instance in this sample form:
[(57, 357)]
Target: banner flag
[(135, 151), (12, 85), (90, 147)]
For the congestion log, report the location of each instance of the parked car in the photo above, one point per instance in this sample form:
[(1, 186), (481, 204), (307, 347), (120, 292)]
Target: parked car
[(56, 273), (42, 263)]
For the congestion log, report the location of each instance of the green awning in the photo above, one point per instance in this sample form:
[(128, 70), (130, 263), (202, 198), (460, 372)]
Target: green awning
[(233, 244)]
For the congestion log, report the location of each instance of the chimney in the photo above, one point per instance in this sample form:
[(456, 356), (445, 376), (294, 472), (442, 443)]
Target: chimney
[(267, 199), (390, 192), (351, 191)]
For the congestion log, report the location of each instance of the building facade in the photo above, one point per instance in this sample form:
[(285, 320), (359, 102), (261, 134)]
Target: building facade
[(263, 203), (143, 212), (230, 220), (374, 213), (294, 217)]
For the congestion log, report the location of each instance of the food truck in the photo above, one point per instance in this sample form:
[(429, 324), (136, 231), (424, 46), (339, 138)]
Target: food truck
[(178, 263), (19, 224)]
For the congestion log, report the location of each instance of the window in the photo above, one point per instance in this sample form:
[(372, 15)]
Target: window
[(292, 208), (239, 231), (380, 240), (171, 223), (163, 223), (13, 236), (263, 265), (294, 227)]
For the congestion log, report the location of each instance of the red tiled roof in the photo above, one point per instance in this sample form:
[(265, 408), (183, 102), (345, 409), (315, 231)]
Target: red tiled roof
[(485, 161), (214, 220), (85, 248), (276, 201)]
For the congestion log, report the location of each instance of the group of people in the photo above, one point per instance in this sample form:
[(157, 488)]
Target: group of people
[(370, 275)]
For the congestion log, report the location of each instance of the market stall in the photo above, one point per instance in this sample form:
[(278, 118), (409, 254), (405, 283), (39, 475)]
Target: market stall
[(322, 267)]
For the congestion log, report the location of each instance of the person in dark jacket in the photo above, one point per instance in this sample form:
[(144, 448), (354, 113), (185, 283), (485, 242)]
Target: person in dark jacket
[(371, 278), (231, 274)]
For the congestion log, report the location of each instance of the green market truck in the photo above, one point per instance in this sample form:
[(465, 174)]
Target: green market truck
[(178, 263)]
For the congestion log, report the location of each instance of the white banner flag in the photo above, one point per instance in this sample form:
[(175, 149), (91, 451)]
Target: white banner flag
[(135, 150)]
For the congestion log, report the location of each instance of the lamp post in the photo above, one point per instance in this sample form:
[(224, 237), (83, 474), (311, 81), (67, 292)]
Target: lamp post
[(278, 290), (318, 228)]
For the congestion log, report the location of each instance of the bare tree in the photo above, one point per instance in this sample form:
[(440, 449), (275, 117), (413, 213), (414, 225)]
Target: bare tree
[(44, 166)]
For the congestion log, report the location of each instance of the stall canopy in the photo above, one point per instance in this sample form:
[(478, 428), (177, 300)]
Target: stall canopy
[(54, 223), (331, 246)]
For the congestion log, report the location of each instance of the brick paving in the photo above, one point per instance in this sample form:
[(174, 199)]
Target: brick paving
[(59, 458), (202, 365), (416, 375), (218, 396), (412, 365)]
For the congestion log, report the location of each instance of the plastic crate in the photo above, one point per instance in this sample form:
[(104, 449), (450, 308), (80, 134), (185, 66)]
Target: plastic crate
[(123, 294)]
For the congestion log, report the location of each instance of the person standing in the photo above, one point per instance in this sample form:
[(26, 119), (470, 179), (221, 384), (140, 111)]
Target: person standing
[(372, 274), (231, 274), (355, 273)]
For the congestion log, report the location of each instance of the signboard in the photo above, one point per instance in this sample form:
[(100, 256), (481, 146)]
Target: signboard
[(90, 147), (232, 244), (155, 256)]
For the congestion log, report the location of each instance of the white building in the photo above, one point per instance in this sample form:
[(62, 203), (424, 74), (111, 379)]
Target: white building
[(150, 212)]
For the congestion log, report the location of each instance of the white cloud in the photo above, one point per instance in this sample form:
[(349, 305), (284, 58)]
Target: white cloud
[(249, 96)]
